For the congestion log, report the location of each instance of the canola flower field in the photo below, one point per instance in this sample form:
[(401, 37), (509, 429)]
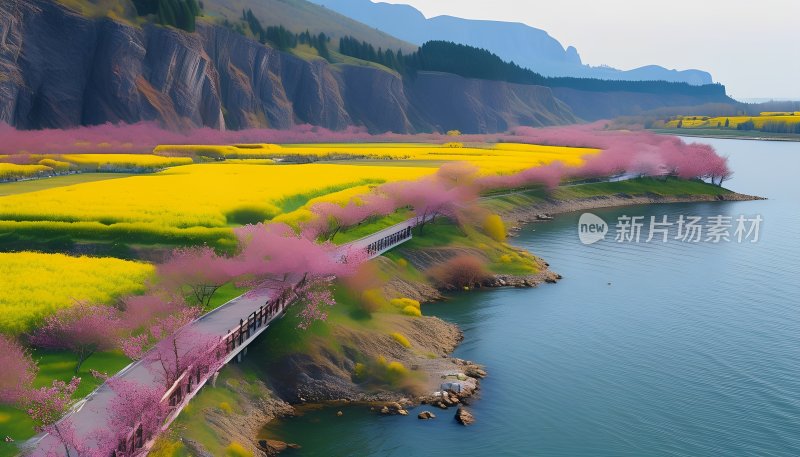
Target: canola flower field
[(48, 165), (699, 122), (198, 203), (497, 158), (36, 284)]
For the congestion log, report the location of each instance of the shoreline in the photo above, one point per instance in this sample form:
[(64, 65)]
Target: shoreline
[(521, 215), (705, 134), (334, 390), (535, 212)]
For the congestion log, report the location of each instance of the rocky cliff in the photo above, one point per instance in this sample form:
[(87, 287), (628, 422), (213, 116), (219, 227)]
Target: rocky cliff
[(60, 69)]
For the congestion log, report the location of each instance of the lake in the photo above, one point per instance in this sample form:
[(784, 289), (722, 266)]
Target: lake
[(644, 349)]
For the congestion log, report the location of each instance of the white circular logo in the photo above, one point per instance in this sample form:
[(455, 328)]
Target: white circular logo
[(591, 228)]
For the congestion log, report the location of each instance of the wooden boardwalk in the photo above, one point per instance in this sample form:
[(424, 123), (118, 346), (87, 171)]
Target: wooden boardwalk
[(237, 323)]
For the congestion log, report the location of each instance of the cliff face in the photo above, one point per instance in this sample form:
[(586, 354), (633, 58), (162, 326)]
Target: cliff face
[(592, 106), (59, 69), (475, 105)]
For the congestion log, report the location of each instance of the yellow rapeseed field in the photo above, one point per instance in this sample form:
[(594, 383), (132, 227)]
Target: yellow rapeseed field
[(697, 122), (49, 164), (12, 170), (124, 161), (199, 203), (35, 284), (497, 158), (186, 198)]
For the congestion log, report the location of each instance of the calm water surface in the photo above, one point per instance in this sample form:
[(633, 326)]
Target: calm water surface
[(692, 350)]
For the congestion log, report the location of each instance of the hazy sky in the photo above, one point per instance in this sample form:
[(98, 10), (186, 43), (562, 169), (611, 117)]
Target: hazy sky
[(750, 46)]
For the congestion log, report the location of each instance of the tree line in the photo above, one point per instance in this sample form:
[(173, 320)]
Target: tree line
[(175, 13), (472, 62), (771, 126), (352, 47), (284, 39)]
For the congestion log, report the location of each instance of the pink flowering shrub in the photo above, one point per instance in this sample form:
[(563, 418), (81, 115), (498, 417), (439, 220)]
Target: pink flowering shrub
[(17, 373), (82, 329)]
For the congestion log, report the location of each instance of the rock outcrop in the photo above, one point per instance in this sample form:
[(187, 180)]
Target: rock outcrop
[(464, 417), (60, 69)]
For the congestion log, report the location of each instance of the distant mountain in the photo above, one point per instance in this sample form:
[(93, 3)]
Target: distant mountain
[(527, 46)]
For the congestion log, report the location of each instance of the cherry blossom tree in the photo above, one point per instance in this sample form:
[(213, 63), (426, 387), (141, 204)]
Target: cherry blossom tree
[(46, 406), (138, 311), (330, 218), (442, 194), (17, 373), (135, 406), (181, 351), (82, 329), (291, 267), (137, 344), (196, 271)]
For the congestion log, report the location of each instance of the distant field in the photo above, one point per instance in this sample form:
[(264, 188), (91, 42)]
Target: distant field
[(124, 161), (699, 122), (12, 170), (499, 158), (33, 185), (729, 133), (35, 285), (43, 165)]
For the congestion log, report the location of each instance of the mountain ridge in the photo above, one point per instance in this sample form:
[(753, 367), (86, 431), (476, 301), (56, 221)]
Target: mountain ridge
[(109, 71), (124, 71), (513, 41)]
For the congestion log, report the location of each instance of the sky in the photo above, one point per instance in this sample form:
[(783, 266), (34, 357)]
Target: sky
[(750, 46)]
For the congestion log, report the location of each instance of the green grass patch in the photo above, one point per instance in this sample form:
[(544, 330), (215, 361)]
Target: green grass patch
[(665, 187), (16, 424), (225, 294), (235, 386), (371, 226), (57, 365), (668, 187), (443, 233), (297, 201), (22, 187)]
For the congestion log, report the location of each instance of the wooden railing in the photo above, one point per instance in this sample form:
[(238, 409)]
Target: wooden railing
[(388, 241), (190, 381), (193, 378)]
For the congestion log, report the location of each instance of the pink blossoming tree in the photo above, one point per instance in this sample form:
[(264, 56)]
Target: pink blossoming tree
[(17, 373), (196, 271), (182, 351), (82, 329), (135, 406), (47, 405), (291, 267)]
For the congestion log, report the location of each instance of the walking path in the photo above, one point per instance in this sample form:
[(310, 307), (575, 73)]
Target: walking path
[(237, 323)]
